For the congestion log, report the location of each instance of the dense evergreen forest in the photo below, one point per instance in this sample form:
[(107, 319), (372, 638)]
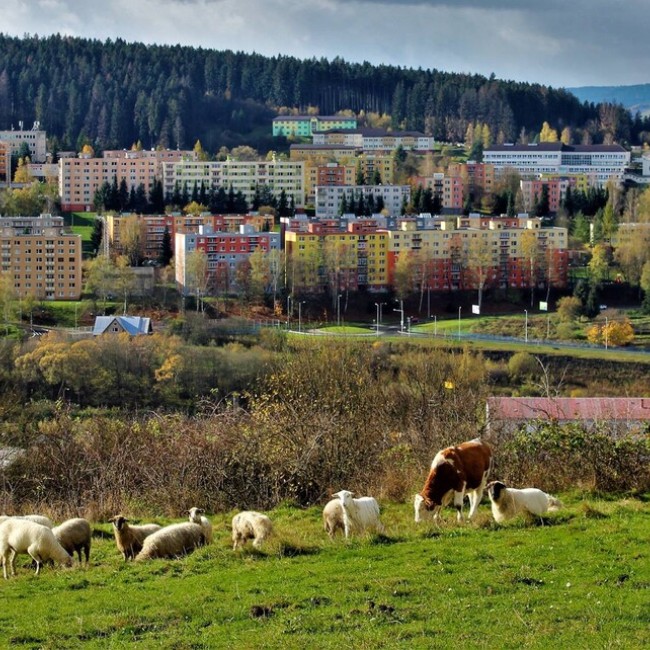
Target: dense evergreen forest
[(111, 94)]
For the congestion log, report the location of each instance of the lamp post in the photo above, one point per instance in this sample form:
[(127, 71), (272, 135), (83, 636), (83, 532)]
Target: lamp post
[(435, 326), (401, 315), (526, 327), (429, 301), (300, 304), (338, 309), (606, 333), (377, 305), (459, 310)]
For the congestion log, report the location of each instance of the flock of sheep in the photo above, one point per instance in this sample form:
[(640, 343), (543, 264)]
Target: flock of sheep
[(37, 536)]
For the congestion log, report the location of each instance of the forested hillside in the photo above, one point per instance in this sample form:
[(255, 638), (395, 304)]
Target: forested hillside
[(114, 93)]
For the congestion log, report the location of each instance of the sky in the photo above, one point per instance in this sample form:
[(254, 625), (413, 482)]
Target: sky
[(565, 43)]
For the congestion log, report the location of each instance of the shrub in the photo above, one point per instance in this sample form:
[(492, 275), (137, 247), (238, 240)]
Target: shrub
[(523, 364)]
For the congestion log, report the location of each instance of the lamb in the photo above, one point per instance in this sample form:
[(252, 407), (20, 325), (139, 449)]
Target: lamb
[(38, 519), (359, 514), (333, 517), (508, 502), (129, 539), (28, 537), (172, 541), (74, 535), (250, 525), (197, 518)]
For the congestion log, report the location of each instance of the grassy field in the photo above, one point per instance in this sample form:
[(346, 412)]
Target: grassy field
[(582, 580)]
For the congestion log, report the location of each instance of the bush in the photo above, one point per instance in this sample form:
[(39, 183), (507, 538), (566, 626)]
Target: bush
[(523, 364)]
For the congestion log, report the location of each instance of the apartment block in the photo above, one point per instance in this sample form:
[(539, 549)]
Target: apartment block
[(532, 189), (329, 198), (153, 227), (375, 139), (306, 125), (5, 162), (40, 257), (35, 139), (603, 162), (225, 252), (242, 175), (352, 254), (81, 177)]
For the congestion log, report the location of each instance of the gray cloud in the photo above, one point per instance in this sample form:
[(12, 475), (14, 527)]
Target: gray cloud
[(579, 42)]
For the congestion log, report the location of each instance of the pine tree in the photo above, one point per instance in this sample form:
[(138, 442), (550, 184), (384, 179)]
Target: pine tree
[(166, 250)]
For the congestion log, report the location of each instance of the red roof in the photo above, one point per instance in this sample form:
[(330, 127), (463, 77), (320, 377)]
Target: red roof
[(567, 408)]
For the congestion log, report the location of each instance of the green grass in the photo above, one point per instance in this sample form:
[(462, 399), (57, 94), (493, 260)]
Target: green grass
[(580, 581), (82, 223)]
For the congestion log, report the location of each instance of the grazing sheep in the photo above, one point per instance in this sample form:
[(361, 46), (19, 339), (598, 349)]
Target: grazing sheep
[(27, 537), (197, 518), (359, 514), (172, 541), (74, 535), (508, 502), (129, 539), (250, 525), (333, 517), (37, 519)]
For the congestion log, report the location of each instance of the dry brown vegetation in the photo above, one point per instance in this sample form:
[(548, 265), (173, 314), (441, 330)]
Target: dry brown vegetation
[(327, 416)]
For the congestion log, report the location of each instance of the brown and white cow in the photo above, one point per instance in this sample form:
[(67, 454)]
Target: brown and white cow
[(456, 471)]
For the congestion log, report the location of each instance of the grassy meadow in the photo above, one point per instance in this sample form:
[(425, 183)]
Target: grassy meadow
[(580, 580)]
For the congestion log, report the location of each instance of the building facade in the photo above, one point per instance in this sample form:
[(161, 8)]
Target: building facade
[(602, 162), (330, 198), (35, 139), (42, 260), (81, 177), (375, 139), (306, 125)]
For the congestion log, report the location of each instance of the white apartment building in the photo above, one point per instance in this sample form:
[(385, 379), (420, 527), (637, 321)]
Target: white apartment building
[(598, 161), (35, 139), (242, 175), (329, 197)]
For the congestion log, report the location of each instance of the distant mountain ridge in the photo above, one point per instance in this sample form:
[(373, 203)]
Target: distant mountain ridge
[(635, 98)]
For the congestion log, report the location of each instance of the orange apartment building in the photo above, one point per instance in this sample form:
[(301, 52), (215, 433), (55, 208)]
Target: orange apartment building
[(43, 260), (81, 177)]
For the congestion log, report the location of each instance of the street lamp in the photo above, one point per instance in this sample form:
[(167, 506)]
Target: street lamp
[(377, 305), (401, 315), (429, 301), (338, 309), (459, 310), (606, 333), (300, 304), (526, 329), (288, 310)]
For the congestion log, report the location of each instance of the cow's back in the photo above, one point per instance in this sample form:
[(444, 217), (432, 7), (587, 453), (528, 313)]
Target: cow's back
[(472, 459)]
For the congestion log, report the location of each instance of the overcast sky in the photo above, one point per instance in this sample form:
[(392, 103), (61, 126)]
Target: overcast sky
[(555, 42)]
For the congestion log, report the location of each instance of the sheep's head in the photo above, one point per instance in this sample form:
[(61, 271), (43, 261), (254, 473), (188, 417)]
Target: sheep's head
[(195, 515), (118, 522), (494, 490), (344, 495)]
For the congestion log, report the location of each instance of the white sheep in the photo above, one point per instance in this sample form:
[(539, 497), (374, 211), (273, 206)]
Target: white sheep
[(172, 541), (196, 517), (37, 519), (359, 514), (27, 537), (508, 502), (333, 517), (129, 539), (74, 535), (250, 525)]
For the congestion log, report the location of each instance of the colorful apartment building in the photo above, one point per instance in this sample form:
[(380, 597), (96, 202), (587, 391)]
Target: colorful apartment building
[(603, 162), (450, 189), (446, 253), (532, 189), (368, 139), (153, 228), (42, 260), (306, 125), (225, 252), (339, 255), (81, 177), (242, 175)]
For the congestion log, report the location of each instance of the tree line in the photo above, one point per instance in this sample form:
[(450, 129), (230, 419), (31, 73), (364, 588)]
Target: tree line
[(114, 93)]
